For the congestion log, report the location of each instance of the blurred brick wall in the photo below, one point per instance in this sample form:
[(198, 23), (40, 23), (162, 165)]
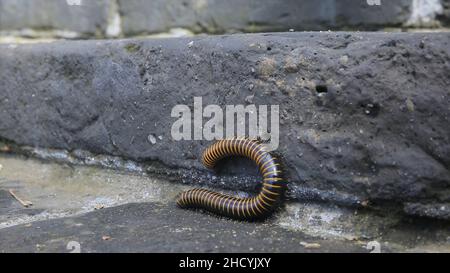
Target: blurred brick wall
[(124, 18)]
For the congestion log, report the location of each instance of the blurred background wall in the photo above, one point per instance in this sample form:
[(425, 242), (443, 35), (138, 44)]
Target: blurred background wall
[(84, 19)]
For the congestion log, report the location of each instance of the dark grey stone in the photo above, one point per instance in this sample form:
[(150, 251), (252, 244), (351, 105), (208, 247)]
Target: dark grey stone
[(445, 16), (10, 207), (364, 116), (157, 228), (88, 20), (438, 211)]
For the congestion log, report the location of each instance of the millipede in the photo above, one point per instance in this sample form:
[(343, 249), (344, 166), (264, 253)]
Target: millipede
[(258, 207)]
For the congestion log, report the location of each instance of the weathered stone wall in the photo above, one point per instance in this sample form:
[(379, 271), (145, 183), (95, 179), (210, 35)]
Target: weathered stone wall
[(445, 16), (55, 17), (125, 18), (364, 116)]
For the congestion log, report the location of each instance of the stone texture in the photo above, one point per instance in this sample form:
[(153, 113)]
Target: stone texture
[(364, 116), (152, 227), (438, 211), (88, 20)]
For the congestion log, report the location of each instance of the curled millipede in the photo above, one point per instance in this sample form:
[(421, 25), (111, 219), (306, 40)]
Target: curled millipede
[(257, 207)]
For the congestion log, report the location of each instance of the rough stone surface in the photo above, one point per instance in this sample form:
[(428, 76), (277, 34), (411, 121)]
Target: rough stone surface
[(438, 211), (155, 228), (63, 192), (364, 116)]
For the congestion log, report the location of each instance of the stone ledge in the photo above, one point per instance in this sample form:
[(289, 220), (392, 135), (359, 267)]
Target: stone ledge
[(364, 116)]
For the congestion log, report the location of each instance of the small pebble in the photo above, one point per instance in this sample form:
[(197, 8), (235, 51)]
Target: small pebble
[(410, 105), (344, 59), (5, 149), (99, 206), (249, 99), (310, 245), (151, 138)]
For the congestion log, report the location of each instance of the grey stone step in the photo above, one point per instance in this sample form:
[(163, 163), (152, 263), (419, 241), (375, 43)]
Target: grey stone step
[(152, 227), (81, 205), (364, 116)]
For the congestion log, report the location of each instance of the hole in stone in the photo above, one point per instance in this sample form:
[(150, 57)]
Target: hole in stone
[(321, 88), (269, 48)]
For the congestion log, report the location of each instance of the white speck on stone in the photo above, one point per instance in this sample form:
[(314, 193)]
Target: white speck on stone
[(344, 59), (74, 2), (249, 99), (410, 105), (151, 138), (190, 44)]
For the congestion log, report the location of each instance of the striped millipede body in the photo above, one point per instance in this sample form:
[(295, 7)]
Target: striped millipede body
[(258, 207)]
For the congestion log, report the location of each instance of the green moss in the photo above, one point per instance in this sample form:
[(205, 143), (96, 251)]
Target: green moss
[(132, 48)]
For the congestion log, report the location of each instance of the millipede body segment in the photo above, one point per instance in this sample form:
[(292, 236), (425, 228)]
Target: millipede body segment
[(260, 206)]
